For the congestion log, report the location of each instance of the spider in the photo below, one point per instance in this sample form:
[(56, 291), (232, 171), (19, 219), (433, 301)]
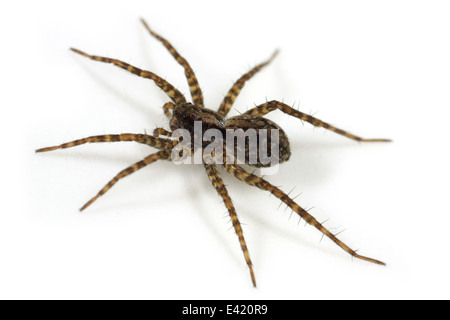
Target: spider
[(182, 114)]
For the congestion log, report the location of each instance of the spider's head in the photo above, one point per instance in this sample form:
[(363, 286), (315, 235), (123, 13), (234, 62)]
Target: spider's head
[(185, 114)]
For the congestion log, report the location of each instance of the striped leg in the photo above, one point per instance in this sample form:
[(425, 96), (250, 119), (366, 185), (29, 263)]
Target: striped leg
[(171, 91), (218, 184), (155, 142), (267, 107), (196, 92), (256, 181), (164, 154), (239, 84)]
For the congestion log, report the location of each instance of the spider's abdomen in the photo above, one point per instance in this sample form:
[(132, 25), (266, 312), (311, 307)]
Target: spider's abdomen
[(270, 144)]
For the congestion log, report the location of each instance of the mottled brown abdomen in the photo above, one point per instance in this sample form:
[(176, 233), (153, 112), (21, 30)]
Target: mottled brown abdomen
[(272, 144)]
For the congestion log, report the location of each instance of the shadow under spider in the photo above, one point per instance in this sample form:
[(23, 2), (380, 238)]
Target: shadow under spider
[(143, 108)]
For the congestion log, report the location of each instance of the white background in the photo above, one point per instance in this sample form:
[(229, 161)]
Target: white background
[(380, 69)]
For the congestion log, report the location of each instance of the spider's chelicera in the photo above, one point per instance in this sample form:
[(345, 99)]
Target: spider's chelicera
[(247, 138)]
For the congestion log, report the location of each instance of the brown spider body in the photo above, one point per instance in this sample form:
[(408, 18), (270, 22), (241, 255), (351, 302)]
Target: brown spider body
[(183, 115), (247, 123)]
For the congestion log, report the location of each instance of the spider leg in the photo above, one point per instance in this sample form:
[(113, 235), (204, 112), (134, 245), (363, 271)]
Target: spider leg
[(164, 154), (155, 142), (169, 89), (196, 92), (228, 101), (256, 181), (267, 107), (218, 184)]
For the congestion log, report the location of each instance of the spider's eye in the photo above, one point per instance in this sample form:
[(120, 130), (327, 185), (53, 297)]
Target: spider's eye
[(175, 113), (184, 116)]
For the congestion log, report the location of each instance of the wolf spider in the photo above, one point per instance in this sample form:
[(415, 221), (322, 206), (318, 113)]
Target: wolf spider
[(182, 114)]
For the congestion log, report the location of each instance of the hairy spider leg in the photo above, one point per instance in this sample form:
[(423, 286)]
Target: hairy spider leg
[(158, 143), (218, 184), (169, 89), (232, 94), (196, 92), (160, 155), (259, 182), (267, 107)]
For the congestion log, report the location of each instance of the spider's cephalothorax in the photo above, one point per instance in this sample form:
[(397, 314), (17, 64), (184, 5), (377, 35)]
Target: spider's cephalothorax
[(184, 115)]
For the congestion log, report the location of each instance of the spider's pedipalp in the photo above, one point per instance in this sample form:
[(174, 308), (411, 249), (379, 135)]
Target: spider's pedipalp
[(256, 181), (161, 132), (167, 107), (196, 92), (169, 89), (232, 94), (267, 107), (160, 155), (159, 143), (218, 184)]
